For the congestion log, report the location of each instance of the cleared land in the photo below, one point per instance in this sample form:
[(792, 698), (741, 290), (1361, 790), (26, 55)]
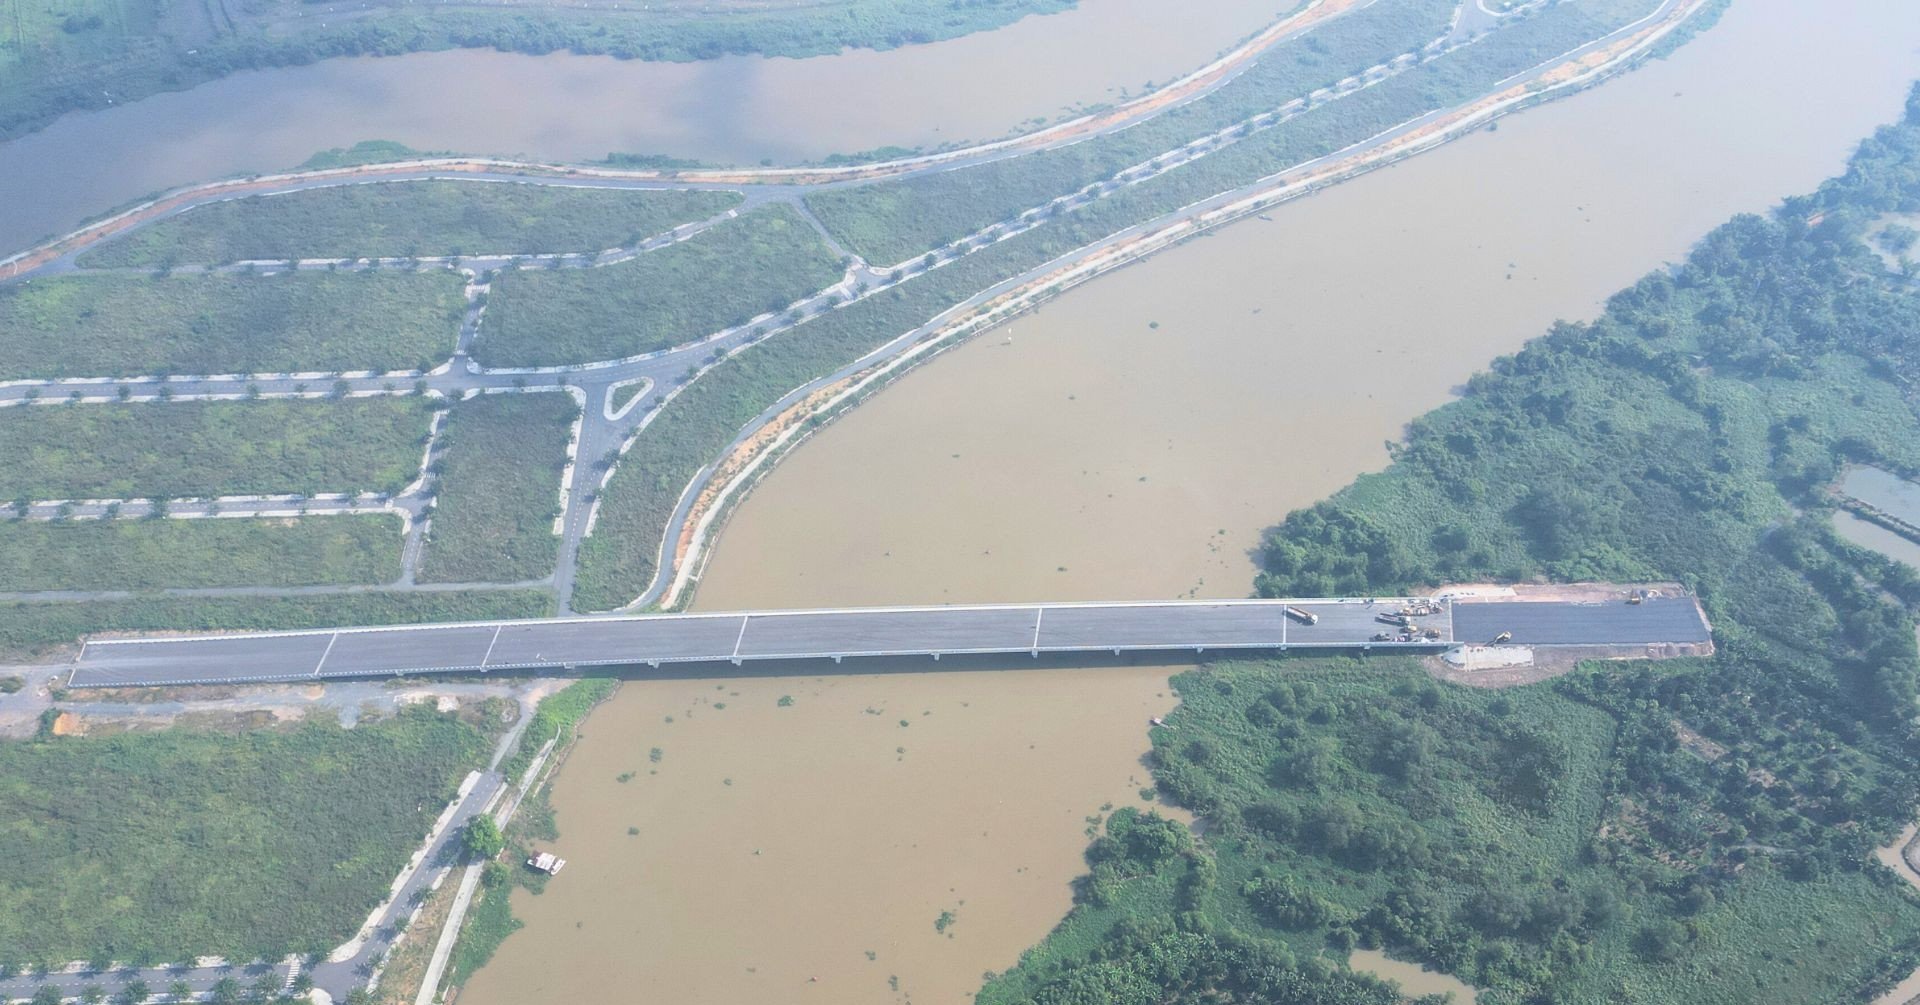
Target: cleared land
[(759, 262), (161, 846), (499, 489), (403, 219), (183, 449), (125, 326), (150, 554)]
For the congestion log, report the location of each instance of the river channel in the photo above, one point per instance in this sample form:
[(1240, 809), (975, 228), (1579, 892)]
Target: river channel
[(1133, 438), (738, 110), (1129, 441)]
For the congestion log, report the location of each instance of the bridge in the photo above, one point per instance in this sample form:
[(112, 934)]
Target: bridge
[(775, 636)]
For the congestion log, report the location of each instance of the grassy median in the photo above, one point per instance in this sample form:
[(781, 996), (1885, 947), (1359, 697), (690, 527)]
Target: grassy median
[(123, 326), (403, 219), (39, 555), (172, 450), (756, 263), (499, 489)]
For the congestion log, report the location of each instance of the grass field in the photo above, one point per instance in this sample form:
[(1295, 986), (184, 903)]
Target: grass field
[(403, 219), (172, 450), (499, 490), (30, 630), (759, 262), (153, 847), (150, 554), (121, 326)]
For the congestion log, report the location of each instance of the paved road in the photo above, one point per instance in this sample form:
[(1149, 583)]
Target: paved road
[(602, 437), (1665, 619), (773, 636)]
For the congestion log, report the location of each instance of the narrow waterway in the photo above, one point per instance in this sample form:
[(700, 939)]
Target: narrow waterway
[(1129, 441), (738, 109), (1133, 438)]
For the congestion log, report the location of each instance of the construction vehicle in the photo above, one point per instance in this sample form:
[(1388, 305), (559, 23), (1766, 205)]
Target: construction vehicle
[(1304, 617), (1420, 609), (1637, 597), (1503, 637), (1382, 637), (1430, 634)]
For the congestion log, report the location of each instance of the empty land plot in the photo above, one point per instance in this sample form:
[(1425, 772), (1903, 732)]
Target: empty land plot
[(171, 844), (181, 449), (126, 326), (499, 489), (39, 555), (402, 219), (760, 262)]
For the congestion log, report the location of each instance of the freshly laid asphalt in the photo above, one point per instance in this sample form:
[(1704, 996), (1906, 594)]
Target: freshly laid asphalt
[(837, 634), (1662, 619)]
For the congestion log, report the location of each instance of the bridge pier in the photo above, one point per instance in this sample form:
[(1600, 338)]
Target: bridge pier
[(936, 657), (837, 659)]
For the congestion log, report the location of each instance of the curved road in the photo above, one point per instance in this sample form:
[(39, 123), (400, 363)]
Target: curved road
[(605, 432)]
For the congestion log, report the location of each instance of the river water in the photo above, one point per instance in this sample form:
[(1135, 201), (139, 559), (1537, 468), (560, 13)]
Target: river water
[(565, 107), (1094, 455)]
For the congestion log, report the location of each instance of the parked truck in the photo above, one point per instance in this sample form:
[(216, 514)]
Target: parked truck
[(1303, 616)]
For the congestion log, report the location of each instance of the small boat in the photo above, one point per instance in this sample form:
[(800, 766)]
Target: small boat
[(547, 862)]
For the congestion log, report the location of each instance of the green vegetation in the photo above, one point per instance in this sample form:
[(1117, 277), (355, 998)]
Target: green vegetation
[(892, 221), (620, 559), (119, 326), (77, 54), (27, 630), (159, 846), (499, 489), (171, 450), (719, 278), (491, 920), (406, 219), (151, 554), (482, 841), (558, 713), (1694, 831)]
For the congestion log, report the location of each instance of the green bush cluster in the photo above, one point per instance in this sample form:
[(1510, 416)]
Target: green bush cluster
[(185, 842), (1690, 831)]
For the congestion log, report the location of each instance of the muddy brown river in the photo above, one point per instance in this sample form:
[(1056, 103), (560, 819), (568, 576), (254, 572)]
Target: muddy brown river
[(1086, 453), (733, 110)]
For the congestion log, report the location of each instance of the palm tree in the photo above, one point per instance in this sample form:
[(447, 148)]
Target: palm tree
[(134, 992), (179, 991)]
